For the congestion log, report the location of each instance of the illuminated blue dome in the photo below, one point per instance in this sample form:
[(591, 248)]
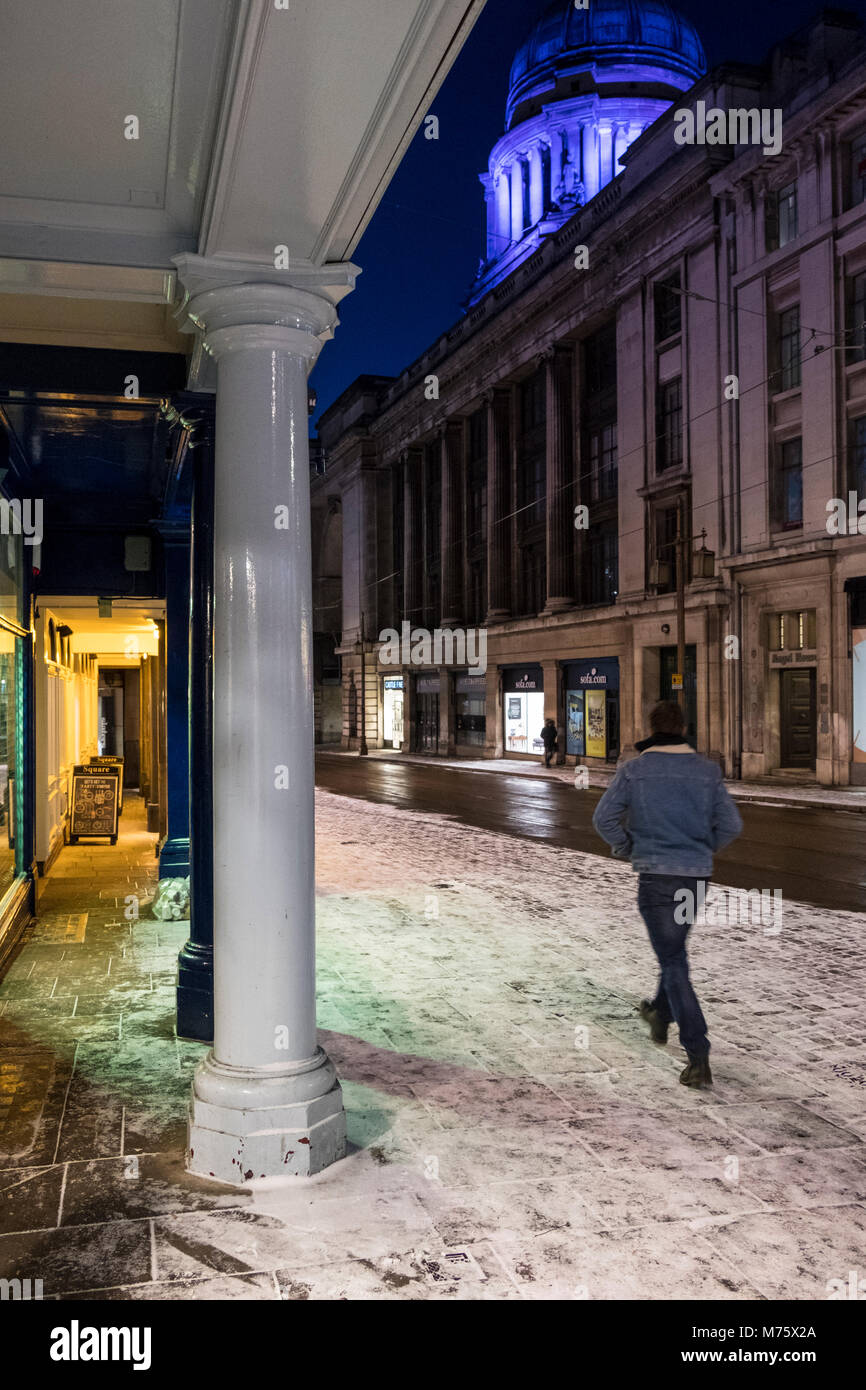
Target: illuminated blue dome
[(608, 39)]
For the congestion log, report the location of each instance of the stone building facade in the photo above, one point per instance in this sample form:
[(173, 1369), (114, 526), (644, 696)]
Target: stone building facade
[(685, 350)]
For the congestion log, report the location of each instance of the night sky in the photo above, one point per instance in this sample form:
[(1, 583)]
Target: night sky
[(420, 252)]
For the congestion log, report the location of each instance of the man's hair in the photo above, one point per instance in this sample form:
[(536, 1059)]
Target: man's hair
[(666, 718)]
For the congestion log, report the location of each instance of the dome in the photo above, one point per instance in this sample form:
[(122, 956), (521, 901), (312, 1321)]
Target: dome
[(625, 39)]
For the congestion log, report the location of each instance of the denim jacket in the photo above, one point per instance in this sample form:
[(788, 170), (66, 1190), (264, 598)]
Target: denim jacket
[(668, 811)]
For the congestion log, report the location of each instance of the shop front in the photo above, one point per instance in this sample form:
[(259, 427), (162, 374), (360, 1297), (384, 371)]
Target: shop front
[(523, 710), (427, 690), (592, 708), (16, 656), (392, 711), (470, 710), (857, 590)]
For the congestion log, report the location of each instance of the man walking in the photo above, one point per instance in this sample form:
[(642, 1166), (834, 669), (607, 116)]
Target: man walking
[(668, 811), (549, 739)]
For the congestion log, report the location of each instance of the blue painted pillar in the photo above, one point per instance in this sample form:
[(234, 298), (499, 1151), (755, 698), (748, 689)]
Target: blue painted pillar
[(174, 855), (195, 962)]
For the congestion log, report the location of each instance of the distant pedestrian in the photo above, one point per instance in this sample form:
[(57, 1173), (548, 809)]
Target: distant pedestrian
[(549, 739), (668, 811)]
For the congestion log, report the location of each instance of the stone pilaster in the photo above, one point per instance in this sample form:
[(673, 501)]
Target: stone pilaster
[(560, 479)]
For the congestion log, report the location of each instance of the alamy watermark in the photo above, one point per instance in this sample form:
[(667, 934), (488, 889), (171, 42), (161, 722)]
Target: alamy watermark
[(731, 907), (450, 646), (22, 517), (741, 126)]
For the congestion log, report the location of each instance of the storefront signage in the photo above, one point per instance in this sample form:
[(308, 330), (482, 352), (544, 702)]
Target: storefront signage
[(393, 683), (793, 658), (588, 675), (95, 802), (523, 678), (470, 685)]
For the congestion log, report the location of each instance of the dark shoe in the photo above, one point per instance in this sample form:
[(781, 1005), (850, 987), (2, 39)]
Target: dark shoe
[(658, 1028), (697, 1074)]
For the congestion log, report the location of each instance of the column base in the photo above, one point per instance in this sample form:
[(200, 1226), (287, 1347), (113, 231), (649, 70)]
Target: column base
[(246, 1124), (497, 615), (558, 605), (174, 859), (195, 992)]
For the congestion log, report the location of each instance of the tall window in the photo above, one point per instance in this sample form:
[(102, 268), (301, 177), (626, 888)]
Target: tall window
[(432, 533), (789, 485), (782, 217), (476, 515), (603, 562), (534, 571), (664, 546), (668, 307), (397, 504), (602, 462), (857, 183), (597, 551), (857, 457), (669, 425), (856, 319), (531, 445), (788, 376)]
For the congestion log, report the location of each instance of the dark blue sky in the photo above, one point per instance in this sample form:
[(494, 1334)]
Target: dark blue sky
[(421, 250)]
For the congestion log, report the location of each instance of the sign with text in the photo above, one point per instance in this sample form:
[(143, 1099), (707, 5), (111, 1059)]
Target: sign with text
[(95, 802), (110, 760)]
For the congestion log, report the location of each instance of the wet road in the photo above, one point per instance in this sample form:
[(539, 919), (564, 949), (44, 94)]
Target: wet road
[(812, 856)]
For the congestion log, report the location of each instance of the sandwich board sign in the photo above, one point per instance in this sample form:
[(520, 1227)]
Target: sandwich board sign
[(110, 760), (95, 802)]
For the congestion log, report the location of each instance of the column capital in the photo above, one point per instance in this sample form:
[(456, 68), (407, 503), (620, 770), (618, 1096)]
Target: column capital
[(244, 304)]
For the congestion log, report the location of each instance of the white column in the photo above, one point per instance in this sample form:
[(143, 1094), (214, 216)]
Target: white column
[(503, 212), (266, 1100), (516, 172), (490, 208), (536, 198)]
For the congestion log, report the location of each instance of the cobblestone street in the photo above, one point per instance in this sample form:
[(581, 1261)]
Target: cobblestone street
[(514, 1134)]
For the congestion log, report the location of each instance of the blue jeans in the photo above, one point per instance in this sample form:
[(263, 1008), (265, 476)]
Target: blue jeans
[(675, 999)]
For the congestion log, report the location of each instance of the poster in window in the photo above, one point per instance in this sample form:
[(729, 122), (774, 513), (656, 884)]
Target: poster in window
[(575, 740), (596, 730)]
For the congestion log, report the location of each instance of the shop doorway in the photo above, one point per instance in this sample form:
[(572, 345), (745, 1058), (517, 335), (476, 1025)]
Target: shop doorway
[(798, 725), (426, 722), (667, 670)]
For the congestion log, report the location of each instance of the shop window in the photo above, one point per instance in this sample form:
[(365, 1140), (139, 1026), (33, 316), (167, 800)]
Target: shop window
[(603, 562), (669, 425), (668, 302), (524, 718), (857, 456), (788, 490), (856, 345), (14, 651), (470, 702), (788, 351)]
